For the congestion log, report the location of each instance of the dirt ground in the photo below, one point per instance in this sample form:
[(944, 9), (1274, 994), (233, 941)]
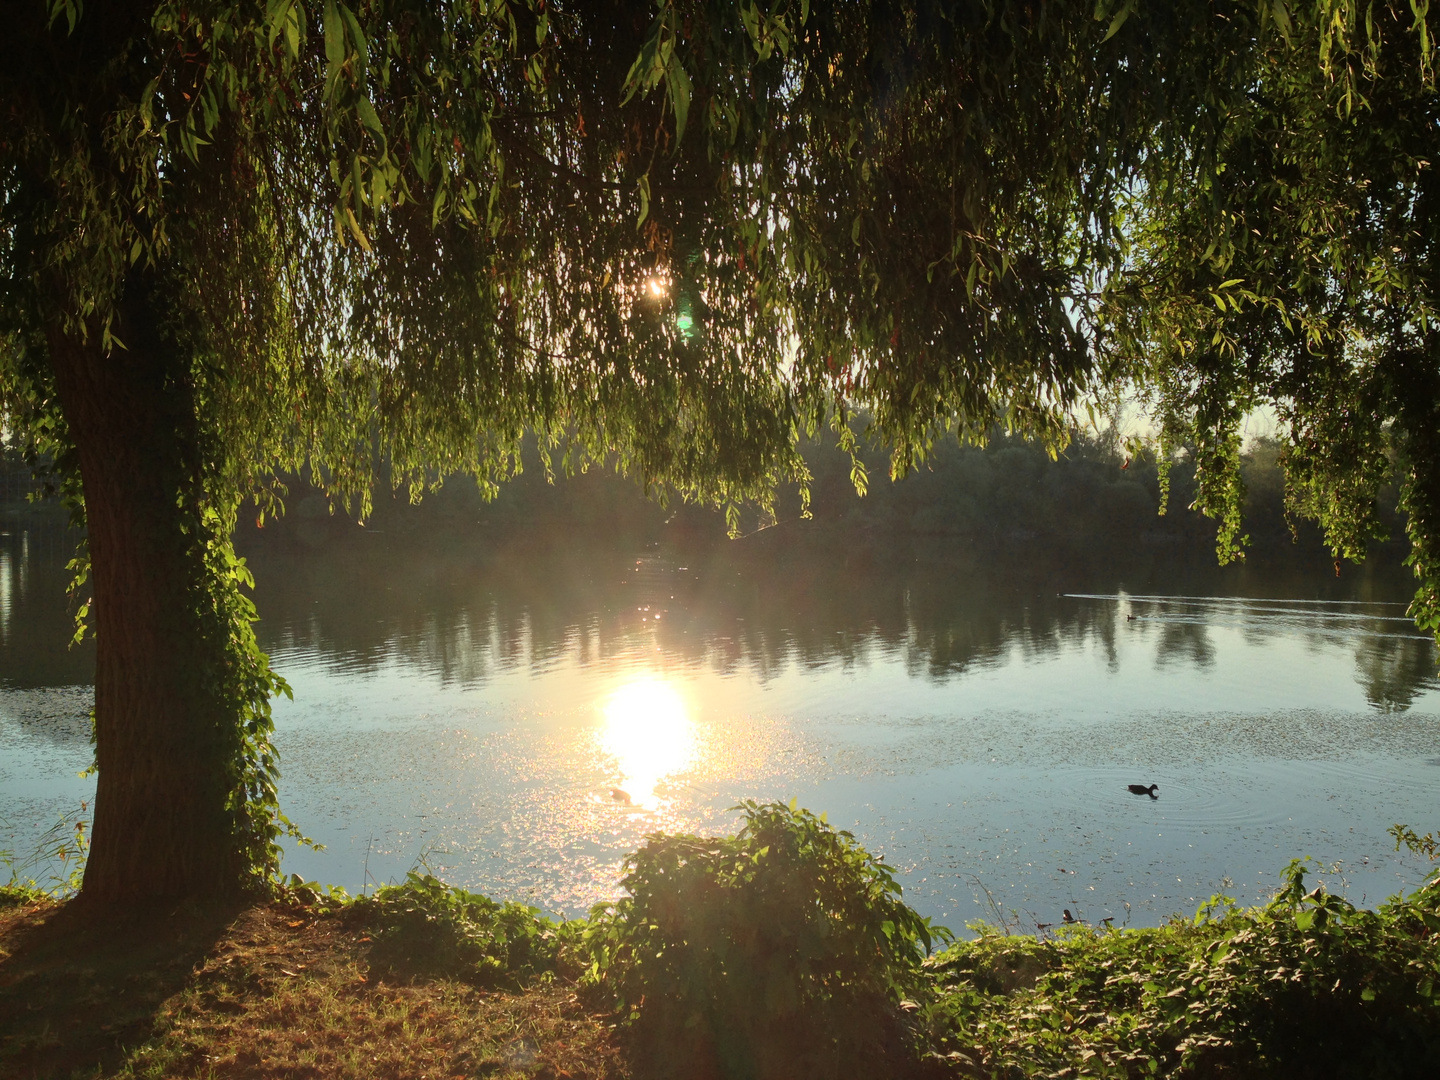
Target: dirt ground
[(271, 990)]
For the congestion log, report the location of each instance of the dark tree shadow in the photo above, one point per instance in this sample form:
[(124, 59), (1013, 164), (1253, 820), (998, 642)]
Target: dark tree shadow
[(80, 988)]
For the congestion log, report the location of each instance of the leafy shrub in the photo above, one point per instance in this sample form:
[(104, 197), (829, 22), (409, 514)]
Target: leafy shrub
[(1307, 985), (20, 895), (782, 951), (59, 854), (1427, 845), (423, 926)]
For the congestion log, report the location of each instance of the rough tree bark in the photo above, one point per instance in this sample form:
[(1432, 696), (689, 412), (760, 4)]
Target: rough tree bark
[(161, 826)]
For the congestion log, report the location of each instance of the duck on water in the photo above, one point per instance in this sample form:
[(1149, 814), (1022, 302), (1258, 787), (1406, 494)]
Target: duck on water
[(1141, 789)]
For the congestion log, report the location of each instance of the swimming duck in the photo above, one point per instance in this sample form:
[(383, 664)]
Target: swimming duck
[(1141, 789)]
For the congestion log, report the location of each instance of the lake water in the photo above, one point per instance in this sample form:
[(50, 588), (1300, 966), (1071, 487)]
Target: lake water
[(517, 709)]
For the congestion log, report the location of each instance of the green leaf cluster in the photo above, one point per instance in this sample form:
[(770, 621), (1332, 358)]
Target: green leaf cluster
[(1307, 985), (423, 925), (1278, 251), (786, 950), (783, 950), (60, 850)]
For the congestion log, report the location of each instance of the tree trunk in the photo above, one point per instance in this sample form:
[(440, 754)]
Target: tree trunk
[(161, 825)]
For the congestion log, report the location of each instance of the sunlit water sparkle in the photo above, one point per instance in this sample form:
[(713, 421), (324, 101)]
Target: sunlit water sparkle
[(977, 733), (647, 732)]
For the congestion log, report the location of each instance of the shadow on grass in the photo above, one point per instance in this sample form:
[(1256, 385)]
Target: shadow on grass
[(80, 988)]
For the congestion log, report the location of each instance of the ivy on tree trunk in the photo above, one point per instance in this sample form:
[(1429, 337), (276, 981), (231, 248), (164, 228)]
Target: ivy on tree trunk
[(186, 793)]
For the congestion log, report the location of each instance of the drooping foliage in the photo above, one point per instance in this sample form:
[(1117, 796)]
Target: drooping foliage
[(420, 228), (1282, 253)]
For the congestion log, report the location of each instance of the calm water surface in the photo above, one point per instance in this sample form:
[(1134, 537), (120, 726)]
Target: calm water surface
[(517, 710)]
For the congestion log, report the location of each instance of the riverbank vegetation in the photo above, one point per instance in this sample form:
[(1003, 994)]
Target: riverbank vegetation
[(783, 951)]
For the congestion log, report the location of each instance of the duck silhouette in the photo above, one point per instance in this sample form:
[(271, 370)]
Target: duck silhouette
[(1141, 789)]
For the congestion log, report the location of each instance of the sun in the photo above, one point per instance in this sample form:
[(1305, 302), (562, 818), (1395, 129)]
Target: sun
[(649, 734)]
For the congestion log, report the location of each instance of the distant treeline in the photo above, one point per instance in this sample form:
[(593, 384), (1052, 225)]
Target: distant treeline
[(1009, 493)]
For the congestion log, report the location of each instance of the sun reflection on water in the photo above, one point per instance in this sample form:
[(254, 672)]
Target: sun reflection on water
[(649, 733)]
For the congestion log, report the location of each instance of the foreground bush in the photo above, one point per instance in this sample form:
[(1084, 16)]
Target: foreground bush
[(787, 951), (784, 951), (1308, 985), (424, 927)]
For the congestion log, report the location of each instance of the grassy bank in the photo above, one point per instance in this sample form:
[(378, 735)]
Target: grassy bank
[(278, 989), (784, 951)]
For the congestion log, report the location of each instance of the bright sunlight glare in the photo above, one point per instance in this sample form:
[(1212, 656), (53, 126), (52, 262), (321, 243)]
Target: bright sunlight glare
[(648, 732)]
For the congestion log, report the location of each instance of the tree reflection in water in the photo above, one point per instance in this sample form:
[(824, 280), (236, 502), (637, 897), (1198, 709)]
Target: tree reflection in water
[(1395, 670), (970, 710), (463, 606)]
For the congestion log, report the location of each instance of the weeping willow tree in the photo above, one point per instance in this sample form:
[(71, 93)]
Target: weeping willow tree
[(1282, 252), (254, 237)]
